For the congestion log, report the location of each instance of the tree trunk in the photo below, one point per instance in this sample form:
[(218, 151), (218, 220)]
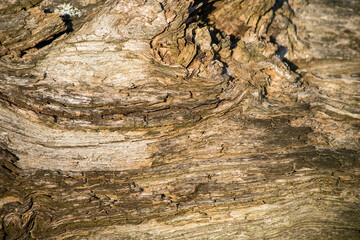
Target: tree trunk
[(178, 119)]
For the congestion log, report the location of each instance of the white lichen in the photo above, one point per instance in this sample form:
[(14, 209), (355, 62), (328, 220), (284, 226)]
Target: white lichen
[(66, 9)]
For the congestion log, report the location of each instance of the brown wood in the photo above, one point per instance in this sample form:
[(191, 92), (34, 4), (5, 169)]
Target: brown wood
[(175, 119)]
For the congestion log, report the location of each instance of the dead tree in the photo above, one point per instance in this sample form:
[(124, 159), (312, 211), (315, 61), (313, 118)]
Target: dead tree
[(179, 119)]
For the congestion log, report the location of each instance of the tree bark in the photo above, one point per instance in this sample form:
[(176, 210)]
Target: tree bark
[(178, 119)]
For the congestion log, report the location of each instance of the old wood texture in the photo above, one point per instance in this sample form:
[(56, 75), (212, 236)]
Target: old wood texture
[(175, 119)]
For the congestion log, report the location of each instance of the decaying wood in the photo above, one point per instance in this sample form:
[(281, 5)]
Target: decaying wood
[(174, 119)]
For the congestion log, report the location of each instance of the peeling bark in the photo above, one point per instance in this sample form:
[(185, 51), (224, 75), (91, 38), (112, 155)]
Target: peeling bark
[(173, 119)]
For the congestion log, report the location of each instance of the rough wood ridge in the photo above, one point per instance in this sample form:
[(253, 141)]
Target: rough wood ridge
[(178, 119)]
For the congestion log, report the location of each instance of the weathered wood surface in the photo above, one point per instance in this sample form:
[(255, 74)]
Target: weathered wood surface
[(179, 119)]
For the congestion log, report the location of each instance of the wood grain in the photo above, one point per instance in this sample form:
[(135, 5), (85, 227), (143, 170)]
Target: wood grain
[(180, 120)]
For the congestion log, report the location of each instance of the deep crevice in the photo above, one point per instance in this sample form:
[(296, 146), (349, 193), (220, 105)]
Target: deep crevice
[(203, 12), (278, 4), (66, 18), (69, 28), (44, 43), (281, 52), (293, 67), (204, 9)]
